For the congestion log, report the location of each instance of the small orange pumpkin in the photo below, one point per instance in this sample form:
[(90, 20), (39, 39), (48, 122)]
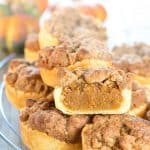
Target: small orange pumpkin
[(17, 29)]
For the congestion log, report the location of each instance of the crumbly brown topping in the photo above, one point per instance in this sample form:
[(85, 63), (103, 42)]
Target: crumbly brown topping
[(26, 77), (69, 53), (134, 64), (117, 132), (65, 23), (135, 59), (104, 75), (43, 116), (32, 42)]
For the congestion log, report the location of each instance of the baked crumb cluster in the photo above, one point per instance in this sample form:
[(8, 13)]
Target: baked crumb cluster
[(76, 50), (117, 132)]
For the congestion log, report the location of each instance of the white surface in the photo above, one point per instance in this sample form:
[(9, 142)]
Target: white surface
[(128, 21)]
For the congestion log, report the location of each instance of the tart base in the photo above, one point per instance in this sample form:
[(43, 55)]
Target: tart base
[(35, 139), (18, 98)]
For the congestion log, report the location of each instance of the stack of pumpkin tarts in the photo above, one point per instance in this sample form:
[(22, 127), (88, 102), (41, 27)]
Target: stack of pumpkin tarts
[(70, 93)]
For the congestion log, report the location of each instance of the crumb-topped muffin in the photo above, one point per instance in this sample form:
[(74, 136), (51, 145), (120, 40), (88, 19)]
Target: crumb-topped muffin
[(23, 81), (116, 132), (64, 24), (44, 127)]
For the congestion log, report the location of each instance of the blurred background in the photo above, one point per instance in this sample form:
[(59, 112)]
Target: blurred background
[(126, 21)]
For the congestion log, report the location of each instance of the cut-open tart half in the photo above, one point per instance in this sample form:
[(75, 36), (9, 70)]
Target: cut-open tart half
[(96, 91)]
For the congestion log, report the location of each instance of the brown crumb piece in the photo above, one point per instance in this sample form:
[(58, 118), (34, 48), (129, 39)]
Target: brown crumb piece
[(117, 132), (43, 116)]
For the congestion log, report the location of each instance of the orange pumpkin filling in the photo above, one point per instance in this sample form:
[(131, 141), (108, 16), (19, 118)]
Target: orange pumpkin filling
[(83, 96)]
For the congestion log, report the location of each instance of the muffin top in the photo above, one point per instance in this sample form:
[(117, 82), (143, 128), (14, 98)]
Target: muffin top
[(117, 132)]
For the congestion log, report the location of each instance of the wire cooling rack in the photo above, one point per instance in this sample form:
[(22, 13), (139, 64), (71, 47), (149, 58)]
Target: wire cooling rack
[(9, 126)]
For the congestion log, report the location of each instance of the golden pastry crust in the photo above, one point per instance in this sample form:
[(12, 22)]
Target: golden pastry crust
[(35, 139), (93, 91), (116, 132), (23, 81)]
